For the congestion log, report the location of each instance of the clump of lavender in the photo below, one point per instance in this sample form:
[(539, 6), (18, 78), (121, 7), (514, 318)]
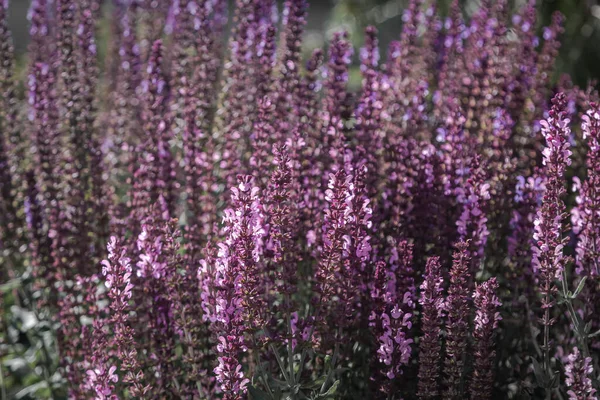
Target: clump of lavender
[(277, 233)]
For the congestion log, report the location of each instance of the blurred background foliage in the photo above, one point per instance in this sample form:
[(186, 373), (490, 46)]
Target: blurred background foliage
[(579, 57)]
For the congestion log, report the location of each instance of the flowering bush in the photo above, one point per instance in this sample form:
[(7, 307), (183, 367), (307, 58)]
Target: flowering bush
[(204, 219)]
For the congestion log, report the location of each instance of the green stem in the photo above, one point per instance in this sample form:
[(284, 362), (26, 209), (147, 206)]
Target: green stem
[(281, 366), (261, 371), (289, 343), (331, 369), (2, 386)]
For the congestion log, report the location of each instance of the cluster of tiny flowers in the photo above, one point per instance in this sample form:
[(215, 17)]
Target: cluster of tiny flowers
[(578, 371), (209, 215)]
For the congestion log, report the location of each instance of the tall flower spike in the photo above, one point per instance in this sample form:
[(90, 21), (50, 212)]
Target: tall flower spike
[(360, 228), (266, 58), (369, 107), (262, 141), (117, 272), (183, 13), (10, 147), (39, 31), (197, 153), (76, 156), (545, 62), (335, 226), (239, 307), (472, 223), (97, 210), (154, 178), (486, 322), (308, 174), (336, 97), (578, 371), (282, 227), (432, 306), (391, 317), (457, 322), (234, 118), (527, 200), (548, 259), (288, 84), (44, 116), (158, 95), (585, 215)]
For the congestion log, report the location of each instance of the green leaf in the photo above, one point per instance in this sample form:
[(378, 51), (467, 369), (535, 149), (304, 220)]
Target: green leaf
[(540, 373), (10, 285), (317, 383), (579, 287), (331, 392), (32, 390)]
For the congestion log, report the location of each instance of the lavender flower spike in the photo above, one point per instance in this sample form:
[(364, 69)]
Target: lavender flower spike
[(238, 298), (578, 371), (117, 270), (585, 215), (432, 306), (548, 259), (458, 308), (486, 322)]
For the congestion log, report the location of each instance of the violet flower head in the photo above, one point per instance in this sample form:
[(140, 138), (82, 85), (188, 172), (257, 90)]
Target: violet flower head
[(585, 215), (392, 304), (360, 224), (432, 308), (117, 271), (486, 322), (294, 20), (394, 346), (474, 197), (336, 228), (336, 96), (548, 259), (38, 30), (528, 197), (283, 215), (239, 302), (578, 371), (457, 321), (369, 108), (103, 380)]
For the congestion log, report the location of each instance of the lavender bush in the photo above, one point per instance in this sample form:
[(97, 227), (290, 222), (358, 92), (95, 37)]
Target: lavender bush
[(206, 219)]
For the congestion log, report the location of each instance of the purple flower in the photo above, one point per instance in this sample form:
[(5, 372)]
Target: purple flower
[(548, 260), (472, 224), (432, 308), (102, 381), (391, 315), (458, 309), (117, 271), (331, 264), (587, 211), (239, 307), (486, 322), (578, 373)]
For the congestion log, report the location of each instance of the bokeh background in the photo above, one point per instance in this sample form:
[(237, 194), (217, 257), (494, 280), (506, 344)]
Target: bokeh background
[(579, 57)]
